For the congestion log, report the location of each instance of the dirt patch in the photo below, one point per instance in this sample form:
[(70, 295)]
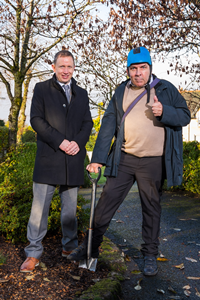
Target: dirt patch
[(55, 278)]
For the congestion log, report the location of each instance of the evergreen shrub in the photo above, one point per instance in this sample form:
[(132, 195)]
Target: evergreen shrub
[(16, 196), (29, 136), (87, 182), (4, 133), (191, 167)]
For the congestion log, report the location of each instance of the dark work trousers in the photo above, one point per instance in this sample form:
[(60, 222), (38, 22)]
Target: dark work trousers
[(147, 171)]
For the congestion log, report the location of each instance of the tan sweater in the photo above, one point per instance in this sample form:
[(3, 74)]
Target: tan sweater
[(144, 135)]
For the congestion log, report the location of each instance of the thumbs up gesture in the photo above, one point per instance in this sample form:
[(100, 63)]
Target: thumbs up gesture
[(157, 107)]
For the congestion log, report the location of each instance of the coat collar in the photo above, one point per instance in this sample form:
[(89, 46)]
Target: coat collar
[(58, 86)]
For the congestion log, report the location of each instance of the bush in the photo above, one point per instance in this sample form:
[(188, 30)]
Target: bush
[(87, 182), (16, 195), (4, 132), (191, 167), (29, 137)]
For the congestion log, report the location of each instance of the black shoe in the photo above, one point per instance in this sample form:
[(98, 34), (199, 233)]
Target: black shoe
[(150, 266), (80, 253)]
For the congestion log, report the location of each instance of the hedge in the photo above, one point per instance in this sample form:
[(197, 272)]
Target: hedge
[(4, 133)]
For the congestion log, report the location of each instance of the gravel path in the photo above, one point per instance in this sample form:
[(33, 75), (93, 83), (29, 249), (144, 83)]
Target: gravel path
[(179, 241), (179, 238)]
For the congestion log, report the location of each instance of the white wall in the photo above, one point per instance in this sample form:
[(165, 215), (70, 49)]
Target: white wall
[(192, 131)]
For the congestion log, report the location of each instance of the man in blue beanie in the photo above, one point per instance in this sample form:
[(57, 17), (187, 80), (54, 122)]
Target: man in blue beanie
[(147, 149)]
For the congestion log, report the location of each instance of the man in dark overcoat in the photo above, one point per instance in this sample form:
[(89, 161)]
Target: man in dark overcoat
[(61, 117)]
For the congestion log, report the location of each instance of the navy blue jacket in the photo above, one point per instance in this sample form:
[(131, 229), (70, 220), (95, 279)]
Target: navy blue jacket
[(175, 115), (55, 120)]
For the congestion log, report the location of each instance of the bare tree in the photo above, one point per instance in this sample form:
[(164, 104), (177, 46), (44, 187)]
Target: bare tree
[(29, 29), (101, 68), (165, 27)]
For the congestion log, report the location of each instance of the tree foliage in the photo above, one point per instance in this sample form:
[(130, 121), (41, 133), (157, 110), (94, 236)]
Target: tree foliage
[(169, 29)]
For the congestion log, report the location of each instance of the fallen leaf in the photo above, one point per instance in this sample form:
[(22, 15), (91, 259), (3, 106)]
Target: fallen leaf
[(193, 278), (136, 272), (43, 266), (191, 259), (46, 279), (160, 291), (187, 293), (96, 280), (126, 216), (114, 219), (119, 211), (194, 219), (165, 240), (3, 280), (127, 258), (181, 266), (119, 221), (161, 255), (171, 289), (30, 277), (75, 277), (137, 287), (197, 293), (187, 287), (139, 280), (177, 229), (162, 259)]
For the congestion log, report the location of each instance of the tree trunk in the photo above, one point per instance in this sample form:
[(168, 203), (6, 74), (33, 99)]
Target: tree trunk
[(14, 113), (22, 117)]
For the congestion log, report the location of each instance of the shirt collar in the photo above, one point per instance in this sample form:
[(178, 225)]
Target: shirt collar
[(61, 83)]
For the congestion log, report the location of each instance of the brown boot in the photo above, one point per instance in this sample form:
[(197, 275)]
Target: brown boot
[(29, 264)]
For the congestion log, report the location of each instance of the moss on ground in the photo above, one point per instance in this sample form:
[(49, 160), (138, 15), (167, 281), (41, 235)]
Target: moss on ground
[(111, 256), (108, 288)]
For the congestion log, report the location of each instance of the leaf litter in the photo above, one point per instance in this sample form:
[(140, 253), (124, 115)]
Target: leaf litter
[(50, 279)]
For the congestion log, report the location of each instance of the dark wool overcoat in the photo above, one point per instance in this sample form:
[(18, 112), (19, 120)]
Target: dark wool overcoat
[(55, 120)]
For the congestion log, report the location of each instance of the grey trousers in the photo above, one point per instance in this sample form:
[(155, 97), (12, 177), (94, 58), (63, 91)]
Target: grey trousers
[(37, 225)]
